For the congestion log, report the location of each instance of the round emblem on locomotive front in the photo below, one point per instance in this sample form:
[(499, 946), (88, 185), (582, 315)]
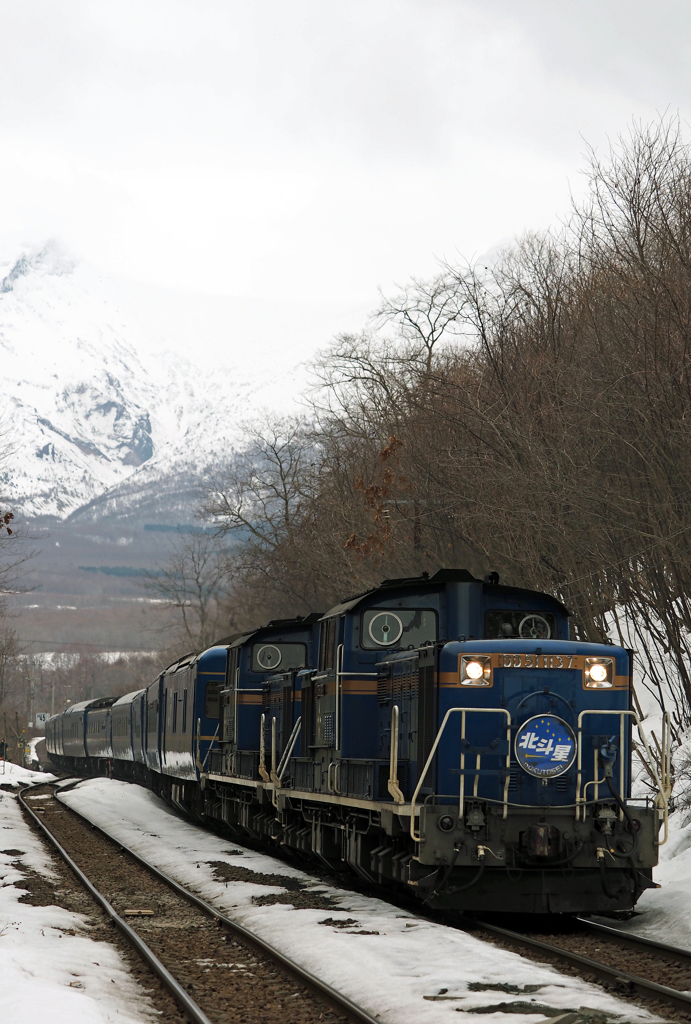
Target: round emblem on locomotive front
[(545, 746)]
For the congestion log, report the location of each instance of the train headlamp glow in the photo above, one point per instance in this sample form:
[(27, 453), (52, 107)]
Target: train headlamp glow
[(476, 670), (599, 673)]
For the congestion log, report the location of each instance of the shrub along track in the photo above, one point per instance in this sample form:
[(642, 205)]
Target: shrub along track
[(214, 973)]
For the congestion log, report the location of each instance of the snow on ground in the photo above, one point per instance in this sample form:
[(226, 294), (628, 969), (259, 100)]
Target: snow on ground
[(32, 744), (404, 969), (48, 974), (664, 914), (14, 775)]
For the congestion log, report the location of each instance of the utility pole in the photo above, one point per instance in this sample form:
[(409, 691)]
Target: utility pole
[(32, 688), (21, 738)]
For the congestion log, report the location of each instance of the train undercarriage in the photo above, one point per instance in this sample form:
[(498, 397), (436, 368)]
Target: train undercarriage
[(534, 860)]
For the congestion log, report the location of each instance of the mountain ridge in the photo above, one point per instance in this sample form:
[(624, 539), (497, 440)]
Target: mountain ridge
[(98, 424)]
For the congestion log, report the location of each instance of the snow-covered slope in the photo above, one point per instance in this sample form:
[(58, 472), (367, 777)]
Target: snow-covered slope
[(95, 421)]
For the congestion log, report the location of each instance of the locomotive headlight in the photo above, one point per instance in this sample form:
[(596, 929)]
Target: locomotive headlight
[(599, 673), (476, 670)]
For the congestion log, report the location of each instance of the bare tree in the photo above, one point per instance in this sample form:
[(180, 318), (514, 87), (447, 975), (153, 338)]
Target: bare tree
[(259, 502), (259, 494), (193, 582), (425, 313)]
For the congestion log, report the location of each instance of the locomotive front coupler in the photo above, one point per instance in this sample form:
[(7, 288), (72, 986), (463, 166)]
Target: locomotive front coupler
[(534, 835)]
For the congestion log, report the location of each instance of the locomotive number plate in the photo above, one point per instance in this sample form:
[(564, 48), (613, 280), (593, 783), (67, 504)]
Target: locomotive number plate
[(537, 661)]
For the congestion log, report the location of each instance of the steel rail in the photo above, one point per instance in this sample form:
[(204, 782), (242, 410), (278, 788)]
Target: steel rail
[(176, 990), (336, 999), (682, 956), (641, 985)]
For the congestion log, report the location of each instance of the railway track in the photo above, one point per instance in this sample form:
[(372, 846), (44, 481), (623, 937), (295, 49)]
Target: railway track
[(215, 969), (657, 975), (629, 964)]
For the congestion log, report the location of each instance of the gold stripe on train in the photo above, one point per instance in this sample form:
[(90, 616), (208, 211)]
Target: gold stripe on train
[(359, 686)]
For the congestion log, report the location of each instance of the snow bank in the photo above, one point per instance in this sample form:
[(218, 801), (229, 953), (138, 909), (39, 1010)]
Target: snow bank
[(664, 914), (401, 968), (48, 974), (14, 775)]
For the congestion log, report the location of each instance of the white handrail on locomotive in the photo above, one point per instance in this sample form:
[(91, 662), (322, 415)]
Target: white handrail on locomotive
[(662, 797), (208, 751), (663, 788), (393, 787), (486, 711), (272, 773), (283, 763), (339, 691), (331, 784), (262, 751)]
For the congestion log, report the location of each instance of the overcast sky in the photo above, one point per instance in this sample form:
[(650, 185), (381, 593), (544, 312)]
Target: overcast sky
[(308, 150)]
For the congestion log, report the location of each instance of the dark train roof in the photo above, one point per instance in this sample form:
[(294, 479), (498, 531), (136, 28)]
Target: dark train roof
[(441, 576), (299, 620), (90, 705), (236, 639)]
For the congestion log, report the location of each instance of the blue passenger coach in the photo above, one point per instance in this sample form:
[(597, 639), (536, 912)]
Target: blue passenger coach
[(126, 728), (190, 701)]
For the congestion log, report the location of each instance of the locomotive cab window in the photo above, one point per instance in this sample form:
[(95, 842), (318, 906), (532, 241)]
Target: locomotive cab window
[(327, 645), (397, 627), (520, 623), (272, 657), (212, 702)]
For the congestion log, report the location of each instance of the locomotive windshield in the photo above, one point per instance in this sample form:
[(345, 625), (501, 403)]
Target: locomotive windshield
[(271, 657), (404, 627), (520, 623)]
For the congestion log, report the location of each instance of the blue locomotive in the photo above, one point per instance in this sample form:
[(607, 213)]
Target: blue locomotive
[(438, 733)]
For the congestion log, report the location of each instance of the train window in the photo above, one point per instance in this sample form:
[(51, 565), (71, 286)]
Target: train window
[(212, 703), (175, 712), (527, 625), (327, 645), (184, 710), (271, 657), (402, 627)]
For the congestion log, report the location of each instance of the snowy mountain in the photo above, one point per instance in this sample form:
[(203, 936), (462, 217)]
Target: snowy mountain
[(96, 423)]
